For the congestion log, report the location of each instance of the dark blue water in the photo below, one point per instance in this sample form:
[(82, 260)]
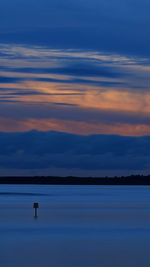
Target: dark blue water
[(77, 226)]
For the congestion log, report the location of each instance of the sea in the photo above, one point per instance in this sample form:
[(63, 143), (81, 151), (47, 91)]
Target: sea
[(77, 226)]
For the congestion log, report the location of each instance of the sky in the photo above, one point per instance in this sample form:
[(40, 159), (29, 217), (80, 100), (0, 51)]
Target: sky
[(74, 87)]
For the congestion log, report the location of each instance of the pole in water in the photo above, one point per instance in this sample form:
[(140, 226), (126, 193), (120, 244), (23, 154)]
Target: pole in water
[(36, 206)]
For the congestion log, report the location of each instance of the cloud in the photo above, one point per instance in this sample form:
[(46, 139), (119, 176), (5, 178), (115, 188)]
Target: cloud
[(46, 150), (84, 69), (73, 90)]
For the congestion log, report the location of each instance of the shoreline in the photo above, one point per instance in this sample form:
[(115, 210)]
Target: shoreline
[(71, 180)]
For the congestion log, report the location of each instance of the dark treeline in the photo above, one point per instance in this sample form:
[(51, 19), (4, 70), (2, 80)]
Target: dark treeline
[(50, 180)]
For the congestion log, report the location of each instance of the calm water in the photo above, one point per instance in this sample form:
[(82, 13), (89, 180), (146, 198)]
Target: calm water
[(77, 226)]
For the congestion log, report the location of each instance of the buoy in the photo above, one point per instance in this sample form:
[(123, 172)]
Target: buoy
[(36, 206)]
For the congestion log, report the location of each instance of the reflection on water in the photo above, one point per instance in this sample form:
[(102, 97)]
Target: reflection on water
[(77, 226)]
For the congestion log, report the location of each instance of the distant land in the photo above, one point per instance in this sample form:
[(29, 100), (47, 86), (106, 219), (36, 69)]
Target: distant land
[(70, 180)]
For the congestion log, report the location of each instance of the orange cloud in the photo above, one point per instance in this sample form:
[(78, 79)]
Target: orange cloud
[(83, 128), (93, 97)]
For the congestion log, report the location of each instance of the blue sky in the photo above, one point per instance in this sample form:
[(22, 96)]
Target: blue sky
[(79, 68), (121, 27)]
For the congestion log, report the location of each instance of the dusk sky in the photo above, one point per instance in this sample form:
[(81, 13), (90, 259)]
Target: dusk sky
[(74, 87)]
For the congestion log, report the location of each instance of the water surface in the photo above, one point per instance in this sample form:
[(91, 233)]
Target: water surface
[(77, 226)]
